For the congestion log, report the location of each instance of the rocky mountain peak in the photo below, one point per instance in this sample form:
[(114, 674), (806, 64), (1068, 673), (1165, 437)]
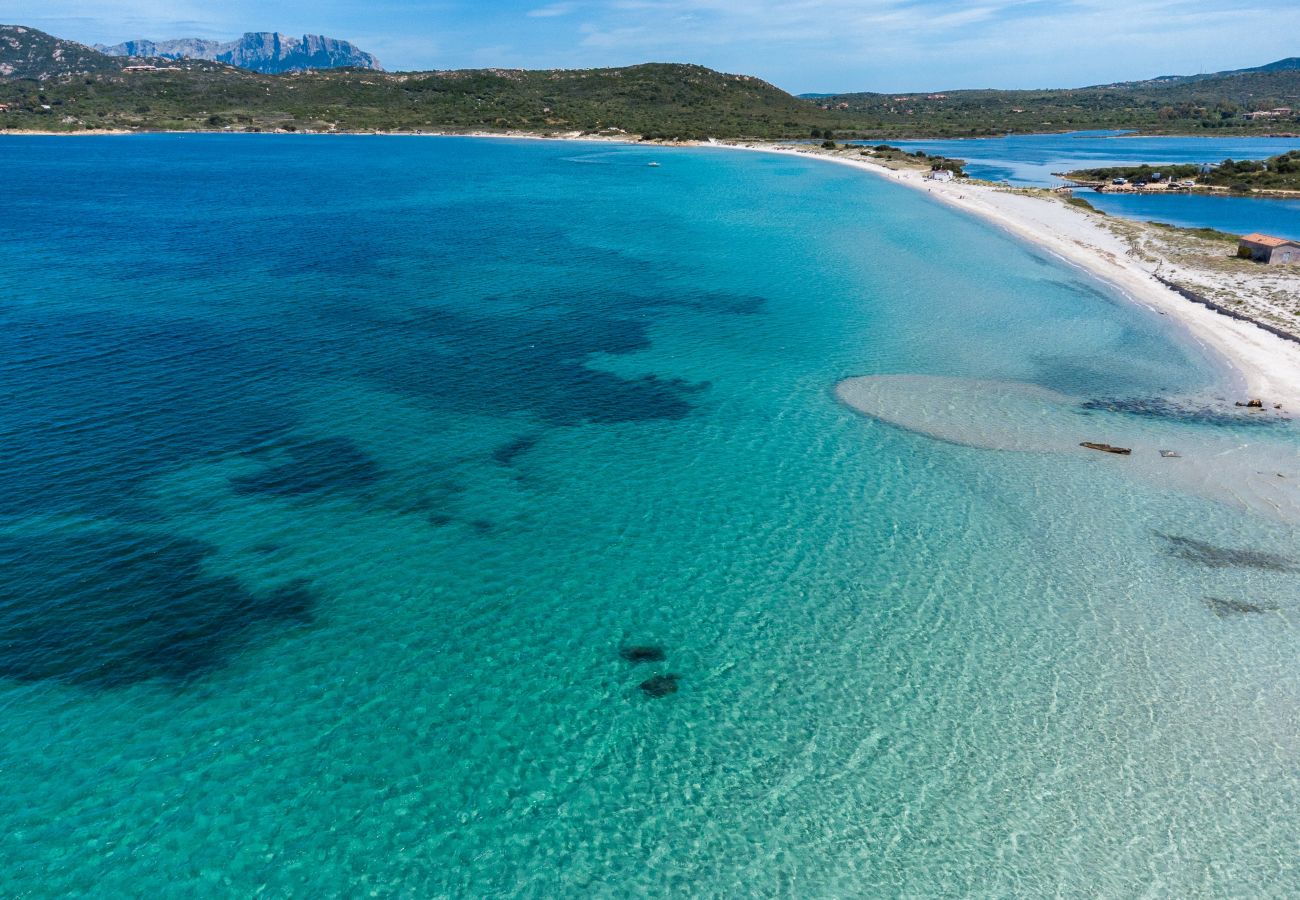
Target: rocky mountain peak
[(269, 52)]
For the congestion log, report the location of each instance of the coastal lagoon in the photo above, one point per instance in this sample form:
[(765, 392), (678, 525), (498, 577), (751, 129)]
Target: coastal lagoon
[(1234, 215), (355, 486), (1034, 160)]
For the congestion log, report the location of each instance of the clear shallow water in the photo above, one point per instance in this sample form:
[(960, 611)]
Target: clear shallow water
[(1032, 159), (339, 470)]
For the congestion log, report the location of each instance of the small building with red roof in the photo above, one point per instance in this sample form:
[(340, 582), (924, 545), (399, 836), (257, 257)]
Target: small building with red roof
[(1268, 249)]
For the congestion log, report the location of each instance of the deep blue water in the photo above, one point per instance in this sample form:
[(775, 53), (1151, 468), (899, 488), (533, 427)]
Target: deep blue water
[(341, 473), (1033, 159)]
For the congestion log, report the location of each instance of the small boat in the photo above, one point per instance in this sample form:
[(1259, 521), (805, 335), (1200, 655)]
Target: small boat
[(653, 165), (1107, 448)]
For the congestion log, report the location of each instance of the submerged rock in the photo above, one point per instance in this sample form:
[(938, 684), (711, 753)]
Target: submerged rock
[(640, 653), (334, 465), (505, 455), (1191, 411), (111, 608), (1207, 554), (661, 685), (1224, 608)]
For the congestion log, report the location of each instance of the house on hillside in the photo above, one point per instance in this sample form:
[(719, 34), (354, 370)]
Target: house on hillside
[(1279, 112), (1267, 249)]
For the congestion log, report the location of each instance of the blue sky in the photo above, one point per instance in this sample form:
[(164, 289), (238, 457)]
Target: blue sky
[(800, 45)]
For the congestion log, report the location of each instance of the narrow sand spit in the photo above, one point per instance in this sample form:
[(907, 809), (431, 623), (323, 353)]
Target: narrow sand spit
[(1254, 469), (1268, 366)]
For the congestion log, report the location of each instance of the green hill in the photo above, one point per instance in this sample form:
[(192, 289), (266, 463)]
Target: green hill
[(31, 54), (656, 99), (1290, 63), (1171, 104)]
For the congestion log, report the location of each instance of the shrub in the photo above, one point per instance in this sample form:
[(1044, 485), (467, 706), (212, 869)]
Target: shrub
[(1084, 204)]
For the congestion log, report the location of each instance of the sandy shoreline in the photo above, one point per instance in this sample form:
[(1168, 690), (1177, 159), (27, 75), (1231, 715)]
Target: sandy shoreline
[(1264, 365)]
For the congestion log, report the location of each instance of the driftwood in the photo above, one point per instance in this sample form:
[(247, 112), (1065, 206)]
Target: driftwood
[(1107, 448)]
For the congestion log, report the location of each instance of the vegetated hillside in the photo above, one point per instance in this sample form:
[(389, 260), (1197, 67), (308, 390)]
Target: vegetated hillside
[(656, 100), (268, 52), (1281, 65), (1277, 173), (28, 53), (1183, 105)]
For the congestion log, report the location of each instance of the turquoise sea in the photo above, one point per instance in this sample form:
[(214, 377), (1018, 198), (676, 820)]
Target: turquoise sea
[(1034, 159), (344, 474)]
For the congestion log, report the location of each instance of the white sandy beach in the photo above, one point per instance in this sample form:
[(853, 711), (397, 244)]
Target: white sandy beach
[(1268, 366)]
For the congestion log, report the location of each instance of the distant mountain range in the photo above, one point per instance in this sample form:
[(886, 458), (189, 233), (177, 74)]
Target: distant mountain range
[(268, 52)]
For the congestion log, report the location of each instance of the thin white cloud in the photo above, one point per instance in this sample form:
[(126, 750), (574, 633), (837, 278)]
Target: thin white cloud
[(104, 20), (930, 43), (555, 10)]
